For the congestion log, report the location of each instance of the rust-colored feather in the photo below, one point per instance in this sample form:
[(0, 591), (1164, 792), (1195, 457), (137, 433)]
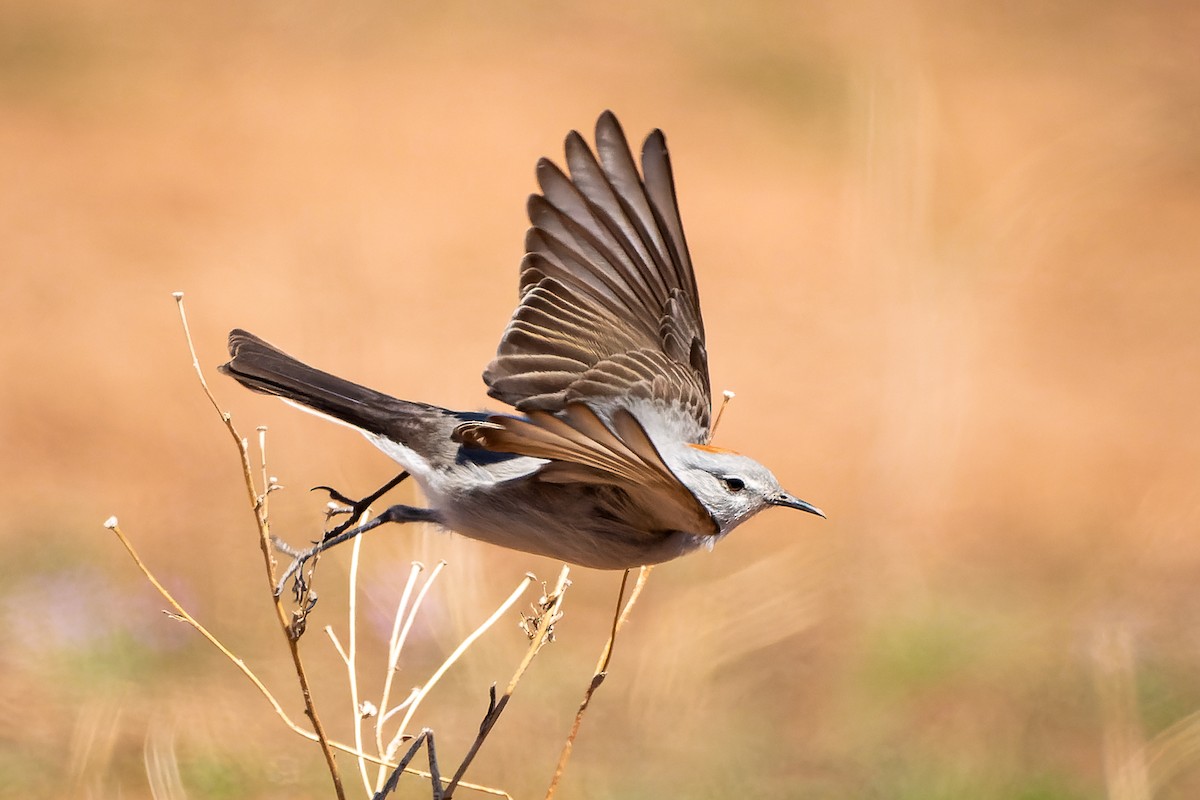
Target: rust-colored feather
[(580, 447)]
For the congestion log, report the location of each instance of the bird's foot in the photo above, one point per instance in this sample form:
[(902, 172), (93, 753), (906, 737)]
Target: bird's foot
[(353, 509)]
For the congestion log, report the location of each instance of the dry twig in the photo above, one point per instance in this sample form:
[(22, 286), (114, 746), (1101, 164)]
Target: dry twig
[(259, 504), (601, 671), (542, 631)]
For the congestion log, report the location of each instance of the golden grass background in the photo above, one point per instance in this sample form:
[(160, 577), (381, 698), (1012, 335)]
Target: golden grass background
[(948, 255)]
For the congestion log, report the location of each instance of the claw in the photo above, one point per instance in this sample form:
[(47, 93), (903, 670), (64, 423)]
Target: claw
[(355, 508), (334, 494)]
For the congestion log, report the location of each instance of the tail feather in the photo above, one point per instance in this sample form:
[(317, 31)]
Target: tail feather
[(264, 368)]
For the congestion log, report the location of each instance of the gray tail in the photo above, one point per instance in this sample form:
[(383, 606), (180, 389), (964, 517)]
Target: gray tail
[(265, 368)]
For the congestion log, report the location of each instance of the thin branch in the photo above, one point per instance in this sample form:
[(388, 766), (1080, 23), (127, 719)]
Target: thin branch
[(600, 672), (426, 738), (395, 646), (462, 648), (180, 613), (293, 628), (726, 396), (259, 504), (352, 655), (551, 611)]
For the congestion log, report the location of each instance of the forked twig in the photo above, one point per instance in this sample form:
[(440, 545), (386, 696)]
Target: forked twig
[(393, 782)]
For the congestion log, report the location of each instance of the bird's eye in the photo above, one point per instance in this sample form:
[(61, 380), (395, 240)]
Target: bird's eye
[(733, 484)]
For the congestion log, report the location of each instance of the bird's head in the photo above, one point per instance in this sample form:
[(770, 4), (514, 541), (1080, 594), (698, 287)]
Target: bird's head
[(733, 487)]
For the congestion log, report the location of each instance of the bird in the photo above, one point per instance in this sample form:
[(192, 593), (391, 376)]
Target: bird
[(604, 460)]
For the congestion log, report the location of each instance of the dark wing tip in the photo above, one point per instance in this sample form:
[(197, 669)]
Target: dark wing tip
[(550, 176), (655, 144), (574, 139), (607, 125)]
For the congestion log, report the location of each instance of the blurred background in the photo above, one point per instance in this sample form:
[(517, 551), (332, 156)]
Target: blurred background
[(948, 254)]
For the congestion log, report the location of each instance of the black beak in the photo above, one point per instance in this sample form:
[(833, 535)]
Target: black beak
[(788, 501)]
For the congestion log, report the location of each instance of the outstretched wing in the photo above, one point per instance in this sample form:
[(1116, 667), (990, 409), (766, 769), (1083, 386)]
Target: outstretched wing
[(609, 308)]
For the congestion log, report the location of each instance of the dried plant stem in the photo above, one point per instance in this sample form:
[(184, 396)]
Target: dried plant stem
[(180, 613), (551, 608), (409, 705), (726, 396), (401, 625), (397, 740), (619, 617), (351, 655), (387, 783), (259, 503)]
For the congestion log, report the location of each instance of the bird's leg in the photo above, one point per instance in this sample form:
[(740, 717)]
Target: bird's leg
[(338, 535), (354, 511), (355, 508)]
